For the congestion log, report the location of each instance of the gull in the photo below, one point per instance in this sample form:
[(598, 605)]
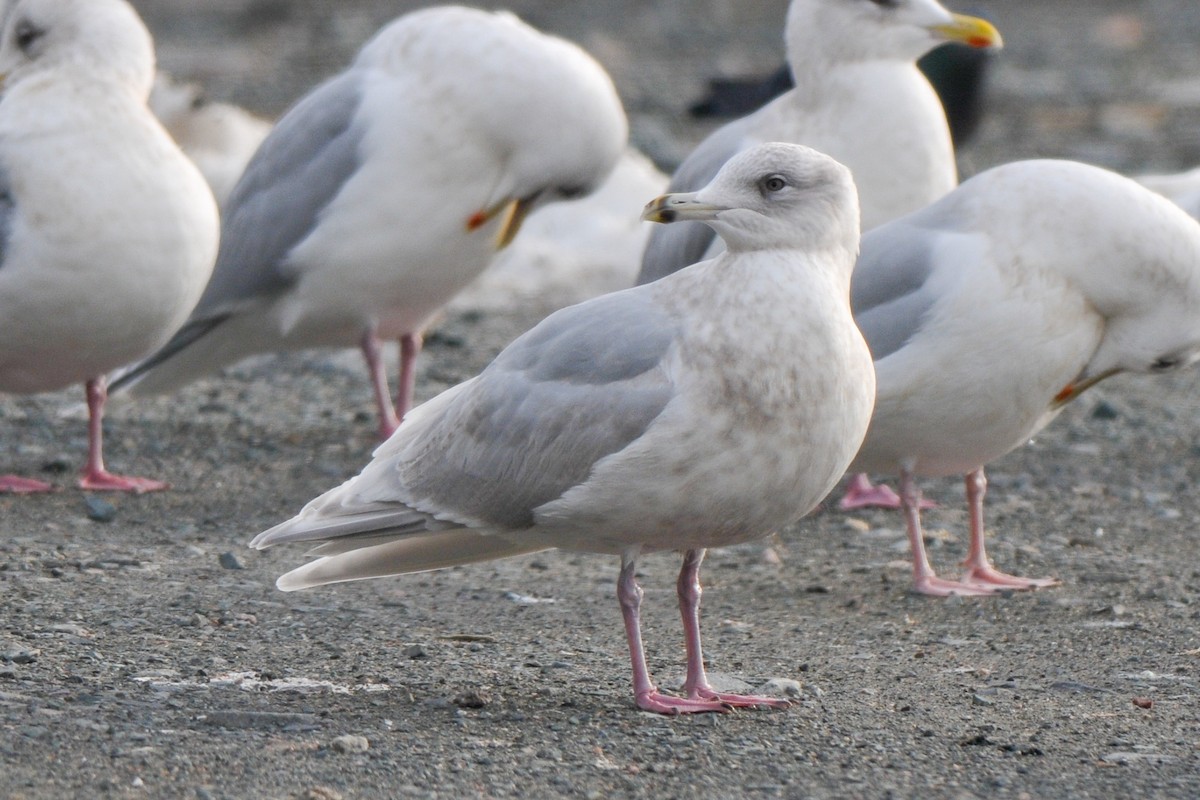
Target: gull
[(219, 137), (1181, 188), (858, 97), (990, 310), (107, 231), (638, 421), (387, 189)]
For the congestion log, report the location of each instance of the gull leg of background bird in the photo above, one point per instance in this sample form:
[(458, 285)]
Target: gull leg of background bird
[(696, 685), (645, 693), (95, 476), (388, 421), (861, 494), (925, 581), (410, 348), (14, 484), (979, 568)]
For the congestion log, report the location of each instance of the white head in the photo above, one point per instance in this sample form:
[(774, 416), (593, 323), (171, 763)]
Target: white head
[(866, 30), (101, 40), (773, 196), (542, 101)]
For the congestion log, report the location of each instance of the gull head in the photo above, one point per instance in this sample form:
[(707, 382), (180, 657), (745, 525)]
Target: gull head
[(96, 40), (862, 30), (775, 195)]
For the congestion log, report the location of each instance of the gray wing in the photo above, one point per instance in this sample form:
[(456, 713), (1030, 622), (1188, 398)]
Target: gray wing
[(673, 247), (469, 467), (889, 293), (299, 168), (583, 384)]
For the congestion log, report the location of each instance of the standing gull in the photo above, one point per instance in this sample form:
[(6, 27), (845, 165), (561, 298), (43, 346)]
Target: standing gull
[(990, 310), (107, 232), (387, 189), (858, 97), (623, 426)]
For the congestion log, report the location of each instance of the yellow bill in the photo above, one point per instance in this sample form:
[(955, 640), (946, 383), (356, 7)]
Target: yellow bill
[(971, 31)]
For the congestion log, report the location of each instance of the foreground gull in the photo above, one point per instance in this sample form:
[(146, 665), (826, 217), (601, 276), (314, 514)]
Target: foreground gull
[(990, 310), (388, 188), (859, 97), (632, 423), (107, 232)]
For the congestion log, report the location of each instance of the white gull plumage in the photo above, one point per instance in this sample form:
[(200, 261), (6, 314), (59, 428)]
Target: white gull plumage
[(638, 421), (109, 232), (858, 97), (994, 307), (387, 189)]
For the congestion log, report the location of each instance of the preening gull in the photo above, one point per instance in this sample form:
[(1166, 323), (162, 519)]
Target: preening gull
[(387, 189), (623, 425), (107, 232), (990, 310), (858, 97)]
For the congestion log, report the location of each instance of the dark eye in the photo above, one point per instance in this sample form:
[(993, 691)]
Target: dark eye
[(1165, 363), (886, 3), (572, 192), (26, 34), (773, 183)]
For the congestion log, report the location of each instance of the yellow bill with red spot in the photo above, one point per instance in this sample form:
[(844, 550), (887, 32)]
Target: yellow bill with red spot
[(971, 31), (1078, 387), (512, 212)]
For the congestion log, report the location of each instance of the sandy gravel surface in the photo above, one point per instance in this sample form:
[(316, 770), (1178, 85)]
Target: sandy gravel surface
[(145, 653)]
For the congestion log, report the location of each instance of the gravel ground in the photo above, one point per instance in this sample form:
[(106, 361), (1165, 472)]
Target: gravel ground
[(145, 653)]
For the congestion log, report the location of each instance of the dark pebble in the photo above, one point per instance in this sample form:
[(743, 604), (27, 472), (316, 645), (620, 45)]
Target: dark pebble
[(230, 560), (99, 510)]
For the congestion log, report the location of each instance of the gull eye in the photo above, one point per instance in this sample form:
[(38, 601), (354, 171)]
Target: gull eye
[(886, 3), (1164, 364), (773, 183), (26, 34), (572, 192)]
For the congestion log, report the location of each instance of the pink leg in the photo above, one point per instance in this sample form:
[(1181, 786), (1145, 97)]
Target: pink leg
[(925, 581), (979, 569), (410, 348), (861, 494), (95, 476), (13, 484), (696, 685), (645, 693), (388, 421)]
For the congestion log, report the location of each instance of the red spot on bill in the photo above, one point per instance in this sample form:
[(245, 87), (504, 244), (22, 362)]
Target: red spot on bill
[(477, 220)]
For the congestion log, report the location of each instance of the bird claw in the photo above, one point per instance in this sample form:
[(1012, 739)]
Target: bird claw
[(739, 700), (934, 586), (673, 706), (861, 494), (992, 577), (12, 484), (102, 481)]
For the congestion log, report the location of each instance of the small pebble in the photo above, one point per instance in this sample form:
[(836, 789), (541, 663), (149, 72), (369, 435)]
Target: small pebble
[(473, 698), (350, 744), (781, 687), (99, 510), (230, 560), (1143, 702)]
